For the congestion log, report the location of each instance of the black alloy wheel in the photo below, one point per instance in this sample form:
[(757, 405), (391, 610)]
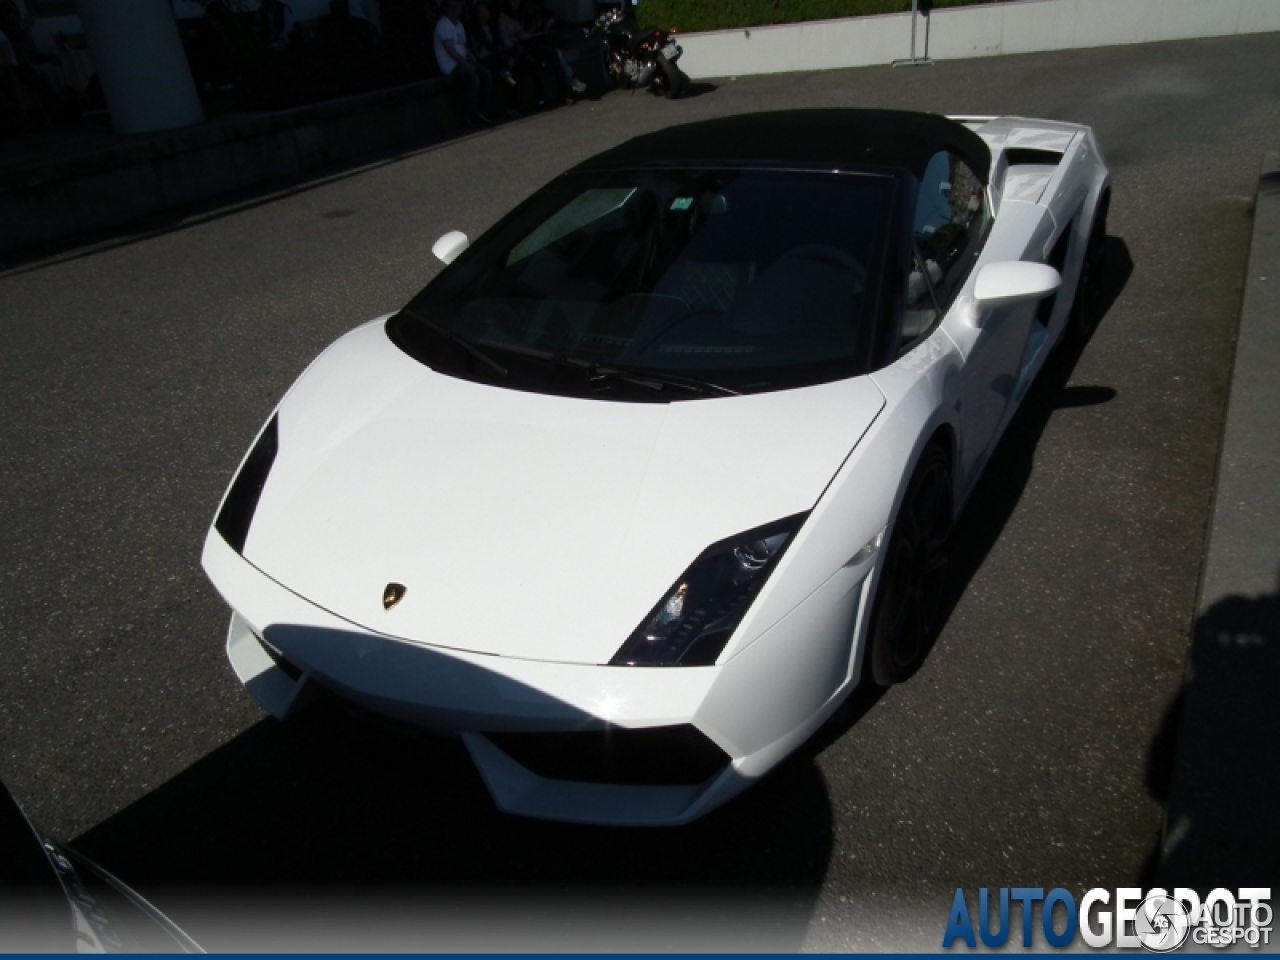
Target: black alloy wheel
[(612, 68), (909, 594)]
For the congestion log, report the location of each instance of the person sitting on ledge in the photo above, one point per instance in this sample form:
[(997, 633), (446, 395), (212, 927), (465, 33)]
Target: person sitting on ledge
[(275, 22), (463, 71), (516, 38), (484, 44)]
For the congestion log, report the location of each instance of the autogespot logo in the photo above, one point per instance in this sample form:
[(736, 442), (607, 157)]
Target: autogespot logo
[(1161, 924), (1157, 920)]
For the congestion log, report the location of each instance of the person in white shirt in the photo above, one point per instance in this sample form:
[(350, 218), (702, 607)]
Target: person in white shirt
[(456, 63)]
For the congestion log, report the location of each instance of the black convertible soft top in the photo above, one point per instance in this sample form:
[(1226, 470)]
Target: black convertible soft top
[(841, 138)]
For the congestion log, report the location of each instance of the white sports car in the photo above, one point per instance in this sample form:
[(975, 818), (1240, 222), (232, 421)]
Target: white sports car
[(662, 466)]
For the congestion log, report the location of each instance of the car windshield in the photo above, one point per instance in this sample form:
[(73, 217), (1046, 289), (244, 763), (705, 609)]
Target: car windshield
[(625, 283)]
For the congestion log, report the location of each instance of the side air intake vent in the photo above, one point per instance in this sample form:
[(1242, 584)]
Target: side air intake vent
[(242, 499), (1026, 156)]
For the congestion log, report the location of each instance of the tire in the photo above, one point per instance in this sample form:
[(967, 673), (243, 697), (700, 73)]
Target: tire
[(1086, 308), (671, 78), (611, 69), (909, 592)]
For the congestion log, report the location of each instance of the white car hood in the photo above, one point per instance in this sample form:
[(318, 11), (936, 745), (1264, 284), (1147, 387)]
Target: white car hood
[(523, 525)]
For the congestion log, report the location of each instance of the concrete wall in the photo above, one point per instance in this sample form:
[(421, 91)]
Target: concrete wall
[(161, 175), (45, 30), (302, 9), (1027, 26)]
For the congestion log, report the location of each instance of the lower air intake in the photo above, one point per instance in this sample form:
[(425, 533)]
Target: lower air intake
[(651, 755)]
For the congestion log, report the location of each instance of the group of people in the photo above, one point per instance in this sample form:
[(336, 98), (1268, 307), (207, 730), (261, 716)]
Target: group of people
[(259, 51), (472, 46), (263, 57), (26, 70), (45, 77)]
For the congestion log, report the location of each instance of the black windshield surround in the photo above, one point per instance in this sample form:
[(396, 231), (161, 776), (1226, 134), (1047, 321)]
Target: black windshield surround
[(661, 285)]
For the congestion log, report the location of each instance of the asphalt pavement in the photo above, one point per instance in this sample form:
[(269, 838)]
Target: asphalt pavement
[(1034, 747)]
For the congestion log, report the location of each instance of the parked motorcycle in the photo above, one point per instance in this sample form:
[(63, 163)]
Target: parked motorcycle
[(636, 57)]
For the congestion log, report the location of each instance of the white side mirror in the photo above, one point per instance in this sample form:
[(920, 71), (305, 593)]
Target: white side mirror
[(450, 245), (1000, 284)]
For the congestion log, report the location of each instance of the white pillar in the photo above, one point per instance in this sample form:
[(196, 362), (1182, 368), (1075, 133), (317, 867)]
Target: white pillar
[(141, 64)]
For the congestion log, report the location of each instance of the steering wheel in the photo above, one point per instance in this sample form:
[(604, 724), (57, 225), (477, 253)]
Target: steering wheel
[(825, 253)]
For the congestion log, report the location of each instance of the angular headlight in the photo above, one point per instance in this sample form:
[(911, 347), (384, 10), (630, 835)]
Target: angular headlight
[(693, 622)]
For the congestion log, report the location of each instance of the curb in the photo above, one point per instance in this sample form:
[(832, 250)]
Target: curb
[(1220, 824)]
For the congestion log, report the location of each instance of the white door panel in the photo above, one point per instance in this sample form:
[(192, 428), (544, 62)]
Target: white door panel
[(994, 352)]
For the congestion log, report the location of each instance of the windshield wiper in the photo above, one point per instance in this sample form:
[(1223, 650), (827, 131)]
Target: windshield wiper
[(650, 379), (653, 379), (465, 344)]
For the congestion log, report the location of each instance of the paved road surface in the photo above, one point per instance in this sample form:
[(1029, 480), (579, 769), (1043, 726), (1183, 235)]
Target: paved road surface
[(1031, 749)]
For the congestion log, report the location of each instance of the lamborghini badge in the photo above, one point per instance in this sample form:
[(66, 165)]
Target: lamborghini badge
[(392, 595)]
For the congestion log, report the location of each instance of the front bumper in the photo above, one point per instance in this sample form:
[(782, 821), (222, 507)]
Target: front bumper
[(752, 709)]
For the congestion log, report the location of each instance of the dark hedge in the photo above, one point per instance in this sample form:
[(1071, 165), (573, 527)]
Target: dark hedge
[(691, 15)]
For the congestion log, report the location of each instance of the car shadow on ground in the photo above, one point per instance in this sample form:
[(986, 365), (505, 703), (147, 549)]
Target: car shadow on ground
[(1214, 762), (332, 809)]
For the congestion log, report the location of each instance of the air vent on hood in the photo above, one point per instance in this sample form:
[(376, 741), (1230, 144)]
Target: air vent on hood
[(242, 499)]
